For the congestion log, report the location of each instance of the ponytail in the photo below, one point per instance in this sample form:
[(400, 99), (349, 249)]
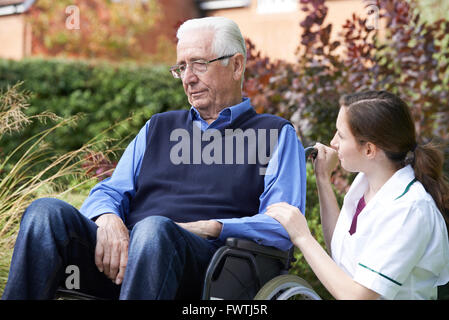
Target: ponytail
[(428, 166)]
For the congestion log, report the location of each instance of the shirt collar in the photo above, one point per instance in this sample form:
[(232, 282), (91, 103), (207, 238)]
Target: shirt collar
[(229, 114)]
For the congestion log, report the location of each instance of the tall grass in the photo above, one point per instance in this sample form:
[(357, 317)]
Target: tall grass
[(33, 169)]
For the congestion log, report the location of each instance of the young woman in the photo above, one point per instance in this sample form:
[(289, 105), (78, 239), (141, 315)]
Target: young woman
[(389, 240)]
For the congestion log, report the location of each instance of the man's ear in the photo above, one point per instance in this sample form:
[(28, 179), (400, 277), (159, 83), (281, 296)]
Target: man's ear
[(237, 62)]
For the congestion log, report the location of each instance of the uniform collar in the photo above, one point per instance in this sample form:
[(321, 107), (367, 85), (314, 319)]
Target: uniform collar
[(392, 189), (396, 185)]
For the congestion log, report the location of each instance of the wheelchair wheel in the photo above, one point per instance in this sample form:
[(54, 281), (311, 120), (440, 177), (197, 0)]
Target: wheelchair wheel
[(287, 287)]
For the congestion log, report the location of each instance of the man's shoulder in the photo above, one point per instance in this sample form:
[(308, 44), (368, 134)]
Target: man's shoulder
[(169, 116), (272, 116), (167, 119)]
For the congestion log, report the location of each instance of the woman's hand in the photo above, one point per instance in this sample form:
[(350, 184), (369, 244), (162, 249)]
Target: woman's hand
[(325, 161), (291, 218)]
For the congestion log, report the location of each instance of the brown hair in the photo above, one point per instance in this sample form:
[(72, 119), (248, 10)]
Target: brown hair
[(385, 120)]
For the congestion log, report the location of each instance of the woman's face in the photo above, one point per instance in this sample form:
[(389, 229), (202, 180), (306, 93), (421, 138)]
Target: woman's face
[(349, 150)]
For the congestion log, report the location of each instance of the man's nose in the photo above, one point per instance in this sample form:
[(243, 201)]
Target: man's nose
[(189, 76)]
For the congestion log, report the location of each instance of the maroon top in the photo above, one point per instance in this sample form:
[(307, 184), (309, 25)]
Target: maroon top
[(359, 209)]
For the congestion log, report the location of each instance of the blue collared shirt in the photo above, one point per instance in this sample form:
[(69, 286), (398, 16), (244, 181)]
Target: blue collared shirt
[(285, 181)]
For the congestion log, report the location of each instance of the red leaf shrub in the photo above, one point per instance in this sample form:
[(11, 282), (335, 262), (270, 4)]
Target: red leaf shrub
[(410, 59), (98, 165)]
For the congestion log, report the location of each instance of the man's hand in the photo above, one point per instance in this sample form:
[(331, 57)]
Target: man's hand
[(111, 251), (203, 228)]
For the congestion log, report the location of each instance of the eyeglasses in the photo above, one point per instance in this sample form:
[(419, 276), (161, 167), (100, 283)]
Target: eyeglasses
[(197, 66)]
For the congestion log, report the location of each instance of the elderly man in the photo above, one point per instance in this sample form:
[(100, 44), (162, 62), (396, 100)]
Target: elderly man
[(149, 231)]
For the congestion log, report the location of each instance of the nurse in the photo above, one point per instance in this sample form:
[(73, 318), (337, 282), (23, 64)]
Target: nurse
[(389, 240)]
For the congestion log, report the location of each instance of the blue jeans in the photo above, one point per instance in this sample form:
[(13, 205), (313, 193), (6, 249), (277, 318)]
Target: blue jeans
[(165, 261)]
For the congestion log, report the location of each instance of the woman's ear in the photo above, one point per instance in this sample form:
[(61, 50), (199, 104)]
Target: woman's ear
[(238, 66), (370, 150)]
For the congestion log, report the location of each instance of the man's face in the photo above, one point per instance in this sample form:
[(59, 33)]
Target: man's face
[(213, 89)]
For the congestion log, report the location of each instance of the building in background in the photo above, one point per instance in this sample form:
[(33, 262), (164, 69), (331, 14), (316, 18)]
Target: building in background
[(18, 38), (15, 32), (272, 25)]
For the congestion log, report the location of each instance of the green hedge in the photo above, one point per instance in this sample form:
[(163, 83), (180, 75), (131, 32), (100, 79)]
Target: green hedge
[(103, 92)]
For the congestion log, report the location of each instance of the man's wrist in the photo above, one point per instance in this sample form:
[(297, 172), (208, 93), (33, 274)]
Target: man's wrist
[(215, 228), (100, 219)]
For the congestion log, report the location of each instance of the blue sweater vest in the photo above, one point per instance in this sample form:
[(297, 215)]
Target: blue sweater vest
[(194, 190)]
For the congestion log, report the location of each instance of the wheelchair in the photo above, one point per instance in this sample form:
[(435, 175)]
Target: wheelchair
[(244, 270)]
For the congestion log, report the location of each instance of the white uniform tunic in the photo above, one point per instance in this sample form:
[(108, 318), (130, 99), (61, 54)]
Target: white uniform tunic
[(400, 248)]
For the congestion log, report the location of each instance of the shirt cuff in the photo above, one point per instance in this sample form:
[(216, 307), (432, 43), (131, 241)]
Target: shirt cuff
[(226, 229), (92, 212), (274, 236)]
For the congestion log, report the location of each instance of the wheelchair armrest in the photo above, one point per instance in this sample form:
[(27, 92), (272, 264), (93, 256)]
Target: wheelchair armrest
[(256, 248), (248, 251)]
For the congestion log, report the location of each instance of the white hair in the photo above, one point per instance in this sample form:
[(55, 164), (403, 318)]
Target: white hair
[(227, 38)]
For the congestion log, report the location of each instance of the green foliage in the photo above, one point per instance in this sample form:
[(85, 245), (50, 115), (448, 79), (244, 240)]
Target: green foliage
[(103, 93), (37, 170), (433, 10)]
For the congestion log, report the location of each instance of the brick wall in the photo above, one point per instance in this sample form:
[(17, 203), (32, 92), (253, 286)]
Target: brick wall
[(15, 41)]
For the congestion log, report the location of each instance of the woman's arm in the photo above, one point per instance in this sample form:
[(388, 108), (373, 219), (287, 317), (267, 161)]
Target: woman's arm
[(324, 164), (336, 281), (329, 210)]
